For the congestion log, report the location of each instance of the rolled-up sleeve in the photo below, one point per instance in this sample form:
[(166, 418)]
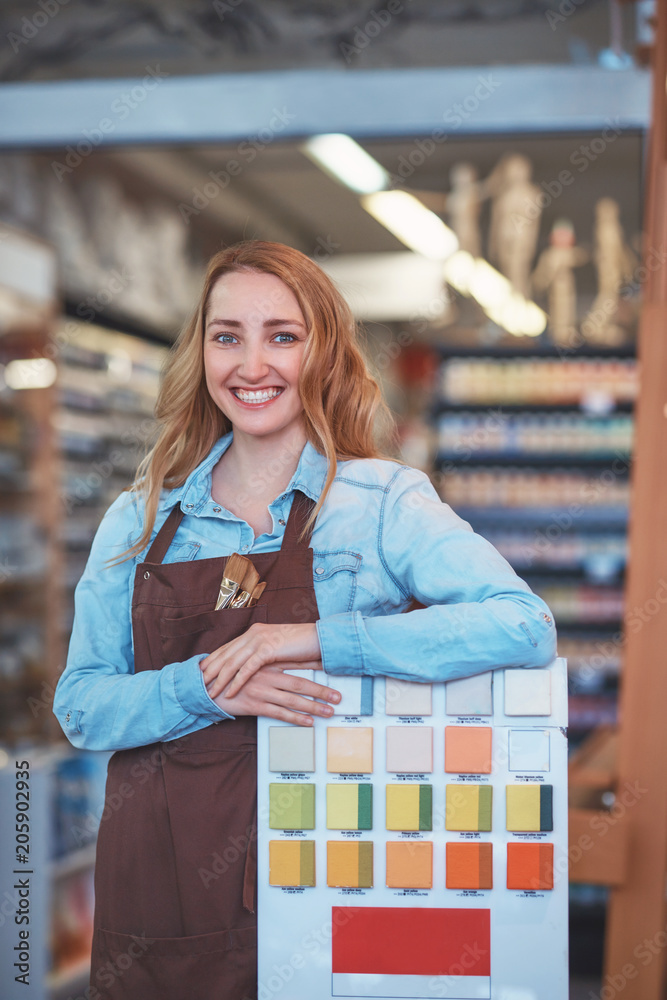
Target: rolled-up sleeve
[(99, 701), (478, 614)]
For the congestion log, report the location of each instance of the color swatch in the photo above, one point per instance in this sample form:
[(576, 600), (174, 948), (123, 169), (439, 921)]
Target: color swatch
[(469, 866), (410, 864), (291, 806), (530, 866), (410, 749), (529, 750), (470, 695), (350, 864), (292, 862), (408, 946), (350, 807), (468, 749), (530, 807), (291, 748), (350, 749), (356, 694), (468, 807), (409, 807), (407, 697), (527, 692)]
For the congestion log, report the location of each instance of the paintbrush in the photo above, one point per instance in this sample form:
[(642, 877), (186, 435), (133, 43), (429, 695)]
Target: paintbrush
[(257, 593), (242, 598), (235, 570)]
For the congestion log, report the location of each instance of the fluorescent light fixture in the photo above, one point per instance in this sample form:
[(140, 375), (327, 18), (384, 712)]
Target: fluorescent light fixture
[(30, 373), (475, 278), (344, 160), (412, 223)]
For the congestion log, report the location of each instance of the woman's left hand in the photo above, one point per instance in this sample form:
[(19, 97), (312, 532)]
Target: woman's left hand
[(236, 662)]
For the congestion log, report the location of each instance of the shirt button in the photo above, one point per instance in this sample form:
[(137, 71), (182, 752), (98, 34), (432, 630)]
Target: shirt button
[(319, 570), (546, 618), (68, 717), (281, 520), (189, 505), (217, 509)]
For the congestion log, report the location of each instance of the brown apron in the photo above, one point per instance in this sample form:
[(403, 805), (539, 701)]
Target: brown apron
[(176, 869)]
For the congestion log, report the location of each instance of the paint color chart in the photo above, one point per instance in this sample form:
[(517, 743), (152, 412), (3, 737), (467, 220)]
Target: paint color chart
[(414, 845)]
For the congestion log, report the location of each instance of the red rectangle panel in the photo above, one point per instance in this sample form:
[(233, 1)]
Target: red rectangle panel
[(411, 941)]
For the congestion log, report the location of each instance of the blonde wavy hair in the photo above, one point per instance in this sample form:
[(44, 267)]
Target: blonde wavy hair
[(344, 411)]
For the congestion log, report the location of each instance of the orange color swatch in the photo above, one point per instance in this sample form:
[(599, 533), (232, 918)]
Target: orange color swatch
[(530, 866), (410, 864), (468, 749), (469, 866)]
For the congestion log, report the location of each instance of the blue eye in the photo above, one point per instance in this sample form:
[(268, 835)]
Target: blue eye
[(290, 335), (220, 338)]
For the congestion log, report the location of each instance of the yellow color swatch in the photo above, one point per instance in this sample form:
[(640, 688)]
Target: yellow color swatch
[(350, 749), (292, 862)]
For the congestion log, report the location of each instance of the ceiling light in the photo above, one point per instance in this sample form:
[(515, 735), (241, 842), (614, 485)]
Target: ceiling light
[(475, 278), (412, 223), (345, 160)]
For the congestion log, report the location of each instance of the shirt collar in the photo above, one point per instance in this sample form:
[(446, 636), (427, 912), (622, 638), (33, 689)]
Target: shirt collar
[(309, 477)]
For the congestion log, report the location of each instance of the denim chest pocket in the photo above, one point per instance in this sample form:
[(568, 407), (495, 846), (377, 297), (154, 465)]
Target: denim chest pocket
[(335, 576), (182, 551)]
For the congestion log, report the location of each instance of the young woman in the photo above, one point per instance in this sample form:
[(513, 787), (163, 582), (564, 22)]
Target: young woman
[(266, 449)]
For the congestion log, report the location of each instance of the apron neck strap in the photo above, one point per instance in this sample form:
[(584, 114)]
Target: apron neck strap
[(299, 513), (163, 539)]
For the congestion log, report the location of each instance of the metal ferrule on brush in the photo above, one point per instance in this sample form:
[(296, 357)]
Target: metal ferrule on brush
[(228, 589)]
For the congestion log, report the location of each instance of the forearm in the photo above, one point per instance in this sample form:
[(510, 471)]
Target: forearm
[(102, 709), (441, 642)]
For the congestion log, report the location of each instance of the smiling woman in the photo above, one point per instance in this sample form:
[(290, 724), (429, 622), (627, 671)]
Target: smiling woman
[(267, 455)]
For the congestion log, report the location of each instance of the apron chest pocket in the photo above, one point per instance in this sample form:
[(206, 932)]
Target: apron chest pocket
[(204, 631)]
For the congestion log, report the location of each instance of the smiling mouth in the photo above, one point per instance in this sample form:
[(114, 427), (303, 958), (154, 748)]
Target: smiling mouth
[(257, 395)]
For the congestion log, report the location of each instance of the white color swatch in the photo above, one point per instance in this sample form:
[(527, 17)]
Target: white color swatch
[(470, 695), (528, 692), (528, 749), (407, 697)]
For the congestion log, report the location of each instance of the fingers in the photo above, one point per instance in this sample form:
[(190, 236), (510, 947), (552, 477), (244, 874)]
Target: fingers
[(310, 689)]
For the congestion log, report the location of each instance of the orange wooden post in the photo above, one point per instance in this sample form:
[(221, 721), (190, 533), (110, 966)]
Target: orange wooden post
[(636, 939)]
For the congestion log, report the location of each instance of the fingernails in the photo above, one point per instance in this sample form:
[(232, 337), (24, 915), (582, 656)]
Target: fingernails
[(328, 710), (335, 696)]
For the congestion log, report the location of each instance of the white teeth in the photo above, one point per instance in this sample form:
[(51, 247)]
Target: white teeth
[(260, 396)]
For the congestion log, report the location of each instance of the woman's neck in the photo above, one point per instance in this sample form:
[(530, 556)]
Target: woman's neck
[(263, 466)]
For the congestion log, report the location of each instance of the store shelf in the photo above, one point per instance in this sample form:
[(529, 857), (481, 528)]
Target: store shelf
[(592, 518), (497, 406), (537, 459)]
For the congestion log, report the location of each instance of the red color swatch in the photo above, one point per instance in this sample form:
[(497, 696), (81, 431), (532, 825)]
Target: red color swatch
[(530, 866), (411, 941)]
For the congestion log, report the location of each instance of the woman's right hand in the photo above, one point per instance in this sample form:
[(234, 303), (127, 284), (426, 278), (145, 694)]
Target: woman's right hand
[(274, 693)]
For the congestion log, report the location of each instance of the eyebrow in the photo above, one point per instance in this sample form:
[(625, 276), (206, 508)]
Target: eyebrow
[(269, 322)]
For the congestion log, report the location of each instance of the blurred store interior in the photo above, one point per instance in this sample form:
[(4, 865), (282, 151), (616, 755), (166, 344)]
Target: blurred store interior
[(511, 367)]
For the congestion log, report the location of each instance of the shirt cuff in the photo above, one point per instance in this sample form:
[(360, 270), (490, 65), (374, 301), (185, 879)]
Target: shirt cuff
[(190, 689), (340, 643)]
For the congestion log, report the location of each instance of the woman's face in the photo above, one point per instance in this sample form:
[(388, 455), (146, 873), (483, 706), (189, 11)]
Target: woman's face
[(254, 340)]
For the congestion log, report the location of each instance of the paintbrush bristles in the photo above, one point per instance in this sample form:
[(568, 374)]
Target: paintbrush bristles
[(250, 579), (236, 567)]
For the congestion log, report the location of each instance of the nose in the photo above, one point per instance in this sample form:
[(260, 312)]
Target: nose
[(254, 365)]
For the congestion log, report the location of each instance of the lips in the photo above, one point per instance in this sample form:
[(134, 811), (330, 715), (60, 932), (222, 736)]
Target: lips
[(255, 396)]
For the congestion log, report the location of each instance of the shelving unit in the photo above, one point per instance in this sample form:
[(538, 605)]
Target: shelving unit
[(68, 446), (534, 451)]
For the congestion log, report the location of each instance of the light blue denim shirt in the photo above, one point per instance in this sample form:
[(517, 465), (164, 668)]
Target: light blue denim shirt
[(382, 537)]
